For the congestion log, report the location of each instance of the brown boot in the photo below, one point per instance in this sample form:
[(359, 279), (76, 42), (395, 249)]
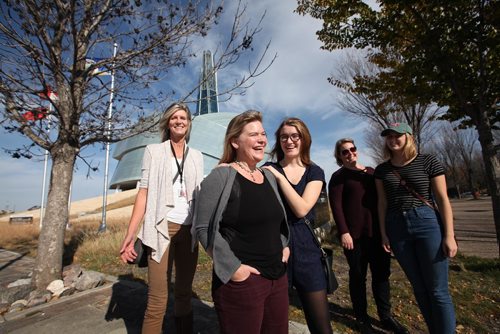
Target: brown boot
[(184, 324)]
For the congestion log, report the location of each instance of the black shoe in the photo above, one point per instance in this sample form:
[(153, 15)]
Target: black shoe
[(365, 327), (392, 324)]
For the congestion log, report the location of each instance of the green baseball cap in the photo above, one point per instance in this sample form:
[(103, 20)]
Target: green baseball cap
[(400, 128)]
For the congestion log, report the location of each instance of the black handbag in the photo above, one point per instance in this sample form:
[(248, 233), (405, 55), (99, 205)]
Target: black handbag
[(327, 259), (142, 254)]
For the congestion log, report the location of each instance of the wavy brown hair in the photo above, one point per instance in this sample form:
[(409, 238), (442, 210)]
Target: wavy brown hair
[(305, 138)]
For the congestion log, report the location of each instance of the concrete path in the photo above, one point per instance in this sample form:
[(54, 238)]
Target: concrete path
[(475, 228), (116, 308)]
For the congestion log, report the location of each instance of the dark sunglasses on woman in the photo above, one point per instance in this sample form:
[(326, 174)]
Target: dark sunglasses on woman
[(346, 151)]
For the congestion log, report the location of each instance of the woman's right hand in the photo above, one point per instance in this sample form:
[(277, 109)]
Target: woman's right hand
[(127, 252), (243, 272), (346, 241), (275, 172), (385, 243)]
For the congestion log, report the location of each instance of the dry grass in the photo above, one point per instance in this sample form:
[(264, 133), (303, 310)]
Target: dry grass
[(19, 238), (100, 252), (475, 290)]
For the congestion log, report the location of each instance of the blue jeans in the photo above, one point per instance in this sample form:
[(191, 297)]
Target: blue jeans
[(415, 237)]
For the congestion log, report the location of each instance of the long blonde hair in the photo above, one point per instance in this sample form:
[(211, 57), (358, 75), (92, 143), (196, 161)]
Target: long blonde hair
[(234, 130), (167, 115), (409, 150)]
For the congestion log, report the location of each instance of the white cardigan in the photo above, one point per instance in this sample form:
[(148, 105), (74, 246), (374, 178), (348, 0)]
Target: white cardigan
[(157, 176)]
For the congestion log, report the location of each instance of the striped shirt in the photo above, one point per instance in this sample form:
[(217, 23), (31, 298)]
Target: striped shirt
[(417, 175)]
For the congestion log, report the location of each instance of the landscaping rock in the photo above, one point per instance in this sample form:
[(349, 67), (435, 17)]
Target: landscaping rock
[(70, 274), (89, 280), (67, 291), (56, 287), (18, 305), (38, 298), (9, 295), (4, 307), (19, 282)]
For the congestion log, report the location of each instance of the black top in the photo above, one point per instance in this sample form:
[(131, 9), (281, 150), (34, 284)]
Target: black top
[(353, 200), (251, 225), (417, 175)]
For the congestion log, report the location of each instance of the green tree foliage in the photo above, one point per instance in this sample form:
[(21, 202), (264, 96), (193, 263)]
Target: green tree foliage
[(449, 53)]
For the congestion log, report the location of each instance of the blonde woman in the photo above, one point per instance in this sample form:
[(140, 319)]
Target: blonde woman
[(421, 238), (171, 172)]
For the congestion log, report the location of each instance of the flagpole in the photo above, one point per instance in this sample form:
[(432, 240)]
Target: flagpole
[(102, 227), (45, 163)]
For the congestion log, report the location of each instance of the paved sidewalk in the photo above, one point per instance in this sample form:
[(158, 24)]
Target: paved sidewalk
[(116, 308), (475, 228)]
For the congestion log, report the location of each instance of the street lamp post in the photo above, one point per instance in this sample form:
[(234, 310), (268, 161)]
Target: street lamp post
[(102, 227)]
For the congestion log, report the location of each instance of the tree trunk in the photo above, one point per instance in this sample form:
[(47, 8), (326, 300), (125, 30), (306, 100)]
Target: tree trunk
[(48, 266), (492, 168)]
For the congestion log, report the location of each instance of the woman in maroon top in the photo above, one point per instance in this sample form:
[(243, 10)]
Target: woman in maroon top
[(353, 200)]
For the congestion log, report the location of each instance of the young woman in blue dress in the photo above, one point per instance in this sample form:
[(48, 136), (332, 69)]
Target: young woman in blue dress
[(300, 182)]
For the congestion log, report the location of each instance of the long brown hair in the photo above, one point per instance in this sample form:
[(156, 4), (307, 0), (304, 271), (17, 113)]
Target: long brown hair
[(167, 115), (305, 138), (234, 130)]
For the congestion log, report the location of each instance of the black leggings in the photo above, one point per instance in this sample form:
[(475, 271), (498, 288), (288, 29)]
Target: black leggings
[(316, 310)]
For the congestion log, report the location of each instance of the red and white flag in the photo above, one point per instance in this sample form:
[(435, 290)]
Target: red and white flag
[(49, 94), (35, 114)]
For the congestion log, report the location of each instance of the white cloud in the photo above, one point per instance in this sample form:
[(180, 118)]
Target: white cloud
[(295, 85)]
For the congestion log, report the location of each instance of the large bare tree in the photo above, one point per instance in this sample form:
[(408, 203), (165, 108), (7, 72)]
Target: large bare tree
[(367, 97), (457, 149), (45, 46)]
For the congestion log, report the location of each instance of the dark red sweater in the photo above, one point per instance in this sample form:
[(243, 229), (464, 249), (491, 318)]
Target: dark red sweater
[(353, 200)]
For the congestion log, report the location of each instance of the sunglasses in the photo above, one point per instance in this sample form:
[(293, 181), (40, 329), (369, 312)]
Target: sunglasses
[(294, 137), (350, 150)]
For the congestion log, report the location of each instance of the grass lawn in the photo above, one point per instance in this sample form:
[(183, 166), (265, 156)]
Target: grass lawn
[(474, 282)]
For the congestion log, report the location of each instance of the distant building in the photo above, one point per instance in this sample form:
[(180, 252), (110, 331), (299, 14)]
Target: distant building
[(207, 133), (208, 99)]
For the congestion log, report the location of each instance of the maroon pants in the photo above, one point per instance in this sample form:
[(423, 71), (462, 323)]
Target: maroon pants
[(256, 305)]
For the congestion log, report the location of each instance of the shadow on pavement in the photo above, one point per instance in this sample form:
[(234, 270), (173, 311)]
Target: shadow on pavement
[(129, 299)]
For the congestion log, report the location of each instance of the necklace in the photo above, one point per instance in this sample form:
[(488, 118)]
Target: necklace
[(246, 169)]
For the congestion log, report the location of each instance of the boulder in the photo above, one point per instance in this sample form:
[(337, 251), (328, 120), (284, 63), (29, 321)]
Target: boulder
[(4, 307), (22, 281), (56, 287), (38, 298), (18, 305), (9, 295), (89, 280), (71, 273), (67, 291)]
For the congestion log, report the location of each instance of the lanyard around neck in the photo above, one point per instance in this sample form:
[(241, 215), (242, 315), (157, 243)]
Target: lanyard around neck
[(180, 167)]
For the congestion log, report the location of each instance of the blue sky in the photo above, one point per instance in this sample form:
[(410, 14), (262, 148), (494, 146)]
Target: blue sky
[(295, 85)]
